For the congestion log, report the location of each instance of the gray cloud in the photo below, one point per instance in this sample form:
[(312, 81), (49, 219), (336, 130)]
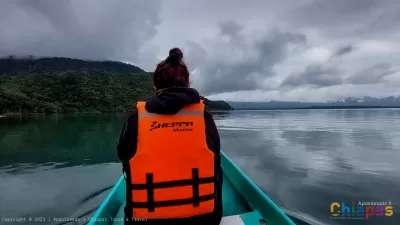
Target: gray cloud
[(230, 28), (265, 49), (344, 50), (326, 12), (90, 30), (249, 72), (315, 75), (372, 75), (344, 17)]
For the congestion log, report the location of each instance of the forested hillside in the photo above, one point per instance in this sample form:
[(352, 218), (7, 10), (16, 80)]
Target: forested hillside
[(61, 85), (23, 66)]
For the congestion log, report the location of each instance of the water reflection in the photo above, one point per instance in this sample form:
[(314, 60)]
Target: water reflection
[(219, 115), (257, 156), (344, 187), (304, 166), (43, 190), (62, 166), (371, 139), (77, 140), (341, 163), (315, 140)]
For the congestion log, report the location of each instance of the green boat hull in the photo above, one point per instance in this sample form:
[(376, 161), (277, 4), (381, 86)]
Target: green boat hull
[(244, 203)]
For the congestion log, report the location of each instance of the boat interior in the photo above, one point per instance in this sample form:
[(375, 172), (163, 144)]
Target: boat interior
[(243, 202), (236, 209)]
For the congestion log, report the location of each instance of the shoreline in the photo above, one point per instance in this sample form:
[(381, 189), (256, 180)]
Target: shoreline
[(213, 110), (94, 112), (323, 107)]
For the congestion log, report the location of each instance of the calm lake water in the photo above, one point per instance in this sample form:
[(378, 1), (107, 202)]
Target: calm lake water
[(63, 166)]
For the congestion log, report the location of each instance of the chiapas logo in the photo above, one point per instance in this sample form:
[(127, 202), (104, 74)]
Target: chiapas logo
[(361, 210)]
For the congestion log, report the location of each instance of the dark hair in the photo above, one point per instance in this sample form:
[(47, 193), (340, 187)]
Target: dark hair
[(172, 71)]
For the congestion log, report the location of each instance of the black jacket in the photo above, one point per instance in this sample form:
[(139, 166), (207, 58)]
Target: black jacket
[(170, 101)]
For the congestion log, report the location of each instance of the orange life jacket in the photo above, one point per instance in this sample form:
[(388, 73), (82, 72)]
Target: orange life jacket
[(172, 174)]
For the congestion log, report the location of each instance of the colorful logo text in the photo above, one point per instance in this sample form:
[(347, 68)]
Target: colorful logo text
[(360, 210)]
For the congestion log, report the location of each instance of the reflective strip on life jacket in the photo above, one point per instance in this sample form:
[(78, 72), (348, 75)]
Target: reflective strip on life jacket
[(173, 171)]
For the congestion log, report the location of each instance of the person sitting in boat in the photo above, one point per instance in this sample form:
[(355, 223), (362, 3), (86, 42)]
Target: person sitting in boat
[(170, 152)]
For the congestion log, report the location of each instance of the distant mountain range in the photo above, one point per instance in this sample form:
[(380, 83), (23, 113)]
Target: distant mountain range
[(351, 102)]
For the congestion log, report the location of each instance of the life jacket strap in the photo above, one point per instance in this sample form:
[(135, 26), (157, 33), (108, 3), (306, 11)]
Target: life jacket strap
[(174, 183), (186, 201), (195, 182)]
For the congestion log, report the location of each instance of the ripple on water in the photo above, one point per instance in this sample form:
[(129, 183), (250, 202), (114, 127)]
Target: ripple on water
[(306, 161), (38, 192)]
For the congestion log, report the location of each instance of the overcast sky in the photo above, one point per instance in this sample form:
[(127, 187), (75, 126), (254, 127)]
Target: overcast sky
[(253, 50)]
